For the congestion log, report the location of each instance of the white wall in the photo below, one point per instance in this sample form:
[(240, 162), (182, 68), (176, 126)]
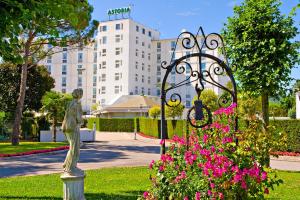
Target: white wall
[(86, 135)]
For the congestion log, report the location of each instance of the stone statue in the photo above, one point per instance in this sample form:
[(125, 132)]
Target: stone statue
[(71, 129)]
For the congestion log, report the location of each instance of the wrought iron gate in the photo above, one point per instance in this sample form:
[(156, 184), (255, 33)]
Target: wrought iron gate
[(199, 115)]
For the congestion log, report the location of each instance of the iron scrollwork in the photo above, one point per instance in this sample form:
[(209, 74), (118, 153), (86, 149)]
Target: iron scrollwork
[(199, 115)]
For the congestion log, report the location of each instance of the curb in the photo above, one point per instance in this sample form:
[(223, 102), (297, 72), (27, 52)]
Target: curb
[(34, 152)]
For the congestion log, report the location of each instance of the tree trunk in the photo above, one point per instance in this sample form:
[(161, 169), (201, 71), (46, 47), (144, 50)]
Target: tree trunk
[(19, 108), (54, 129), (265, 109)]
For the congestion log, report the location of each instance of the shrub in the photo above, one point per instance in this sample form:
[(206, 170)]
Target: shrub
[(174, 109), (209, 98), (111, 125), (213, 167), (154, 112), (276, 110), (292, 113)]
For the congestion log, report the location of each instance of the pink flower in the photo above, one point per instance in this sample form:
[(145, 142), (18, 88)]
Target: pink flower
[(162, 142), (264, 175), (151, 164), (212, 148), (161, 168), (205, 138), (209, 193), (186, 198), (226, 129), (198, 196), (221, 196), (212, 185), (244, 185), (146, 194)]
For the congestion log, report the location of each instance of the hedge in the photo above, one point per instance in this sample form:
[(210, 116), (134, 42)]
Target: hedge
[(111, 125)]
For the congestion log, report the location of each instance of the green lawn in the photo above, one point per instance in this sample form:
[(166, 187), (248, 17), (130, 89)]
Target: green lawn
[(7, 148), (113, 183)]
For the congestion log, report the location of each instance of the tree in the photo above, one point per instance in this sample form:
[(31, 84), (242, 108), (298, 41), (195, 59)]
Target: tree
[(174, 109), (54, 105), (38, 83), (154, 112), (296, 86), (209, 98), (29, 26), (258, 40)]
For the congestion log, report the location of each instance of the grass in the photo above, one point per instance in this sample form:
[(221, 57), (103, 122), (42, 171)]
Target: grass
[(114, 184), (7, 148)]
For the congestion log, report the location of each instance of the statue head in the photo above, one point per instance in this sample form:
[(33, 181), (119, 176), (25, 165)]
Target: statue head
[(77, 93)]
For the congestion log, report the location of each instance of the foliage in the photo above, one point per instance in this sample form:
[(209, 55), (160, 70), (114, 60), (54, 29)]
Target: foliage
[(111, 125), (259, 41), (292, 113), (174, 109), (154, 112), (296, 86), (94, 106), (55, 105), (276, 110), (38, 83), (209, 98), (248, 106), (213, 167), (150, 127)]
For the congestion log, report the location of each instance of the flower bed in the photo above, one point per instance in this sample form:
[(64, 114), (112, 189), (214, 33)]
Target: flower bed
[(211, 165), (34, 152), (280, 153)]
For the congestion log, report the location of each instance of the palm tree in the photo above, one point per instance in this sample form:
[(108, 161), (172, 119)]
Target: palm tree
[(54, 105)]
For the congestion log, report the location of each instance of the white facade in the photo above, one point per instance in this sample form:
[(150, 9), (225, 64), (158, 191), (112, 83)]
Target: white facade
[(124, 60), (298, 105)]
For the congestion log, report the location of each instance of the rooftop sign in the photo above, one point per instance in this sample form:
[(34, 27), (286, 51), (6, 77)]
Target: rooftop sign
[(118, 11)]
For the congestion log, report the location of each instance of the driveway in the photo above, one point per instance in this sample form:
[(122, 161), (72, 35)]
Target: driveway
[(109, 150)]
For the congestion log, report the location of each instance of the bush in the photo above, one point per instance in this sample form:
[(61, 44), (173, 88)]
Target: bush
[(213, 167), (292, 113), (276, 110), (111, 125), (154, 112), (174, 109)]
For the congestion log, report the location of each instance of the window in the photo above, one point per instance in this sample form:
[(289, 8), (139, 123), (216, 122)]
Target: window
[(64, 69), (103, 28), (95, 46), (143, 31), (158, 68), (188, 104), (79, 81), (103, 90), (149, 46), (136, 40), (104, 40), (149, 56), (118, 76), (187, 96), (48, 68), (149, 34), (158, 45), (117, 89), (63, 90), (136, 91), (149, 91), (95, 57), (143, 91), (158, 79), (94, 81), (136, 52), (203, 66), (173, 45), (142, 78), (79, 69), (149, 68), (158, 58), (118, 51), (95, 69), (188, 55), (103, 52), (103, 65), (118, 63), (64, 81), (103, 77), (157, 92), (49, 59), (102, 101), (119, 26), (143, 66), (136, 65), (143, 44), (137, 28), (136, 77), (143, 54), (149, 80), (119, 38), (94, 93), (80, 57)]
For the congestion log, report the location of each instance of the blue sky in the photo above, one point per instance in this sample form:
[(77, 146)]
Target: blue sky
[(171, 16)]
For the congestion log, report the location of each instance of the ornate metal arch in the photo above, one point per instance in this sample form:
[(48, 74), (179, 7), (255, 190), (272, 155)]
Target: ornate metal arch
[(199, 115)]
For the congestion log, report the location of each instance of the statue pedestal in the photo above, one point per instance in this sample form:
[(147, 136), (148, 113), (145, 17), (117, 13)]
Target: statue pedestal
[(73, 186)]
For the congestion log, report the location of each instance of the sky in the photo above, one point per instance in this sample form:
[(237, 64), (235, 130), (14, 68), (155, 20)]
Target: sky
[(171, 16)]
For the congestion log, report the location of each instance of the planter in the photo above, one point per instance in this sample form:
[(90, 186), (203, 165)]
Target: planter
[(86, 135)]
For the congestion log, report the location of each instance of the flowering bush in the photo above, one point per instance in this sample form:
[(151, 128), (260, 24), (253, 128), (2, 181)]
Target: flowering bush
[(209, 166)]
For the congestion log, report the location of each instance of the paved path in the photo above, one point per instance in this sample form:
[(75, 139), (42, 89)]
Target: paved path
[(109, 150)]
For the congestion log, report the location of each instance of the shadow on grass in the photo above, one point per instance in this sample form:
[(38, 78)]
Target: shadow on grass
[(128, 195)]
